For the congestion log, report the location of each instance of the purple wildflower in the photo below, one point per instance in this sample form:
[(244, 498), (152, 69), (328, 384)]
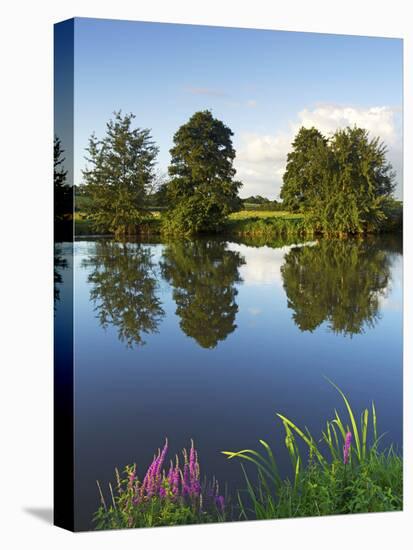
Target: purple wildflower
[(148, 481), (195, 486), (170, 474), (153, 478), (176, 476), (161, 458), (192, 459), (186, 480), (346, 448)]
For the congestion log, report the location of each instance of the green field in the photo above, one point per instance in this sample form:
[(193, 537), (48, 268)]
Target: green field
[(250, 214), (245, 221)]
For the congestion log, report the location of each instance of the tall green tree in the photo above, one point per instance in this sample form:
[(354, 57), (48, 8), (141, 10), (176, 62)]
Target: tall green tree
[(361, 183), (304, 170), (202, 190), (119, 175), (343, 184)]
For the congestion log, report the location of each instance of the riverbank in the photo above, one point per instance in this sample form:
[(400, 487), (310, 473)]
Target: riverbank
[(343, 472), (248, 223)]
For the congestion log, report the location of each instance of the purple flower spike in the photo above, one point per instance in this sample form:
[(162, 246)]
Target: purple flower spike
[(175, 483), (176, 476), (161, 458), (186, 480), (346, 448), (195, 486)]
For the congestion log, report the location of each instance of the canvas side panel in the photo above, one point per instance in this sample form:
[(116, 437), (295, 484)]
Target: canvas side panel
[(63, 275)]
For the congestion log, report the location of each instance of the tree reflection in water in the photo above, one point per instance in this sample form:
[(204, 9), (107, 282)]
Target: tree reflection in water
[(339, 282), (60, 263), (124, 289), (203, 274)]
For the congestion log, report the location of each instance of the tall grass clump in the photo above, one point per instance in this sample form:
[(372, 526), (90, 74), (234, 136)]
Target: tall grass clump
[(165, 496), (268, 226), (343, 472)]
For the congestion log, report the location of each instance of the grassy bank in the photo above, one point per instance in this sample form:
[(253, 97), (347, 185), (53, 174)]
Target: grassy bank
[(151, 225), (288, 225), (266, 225), (343, 472), (247, 223)]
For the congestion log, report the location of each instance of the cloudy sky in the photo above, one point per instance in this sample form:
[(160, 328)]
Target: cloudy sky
[(263, 84)]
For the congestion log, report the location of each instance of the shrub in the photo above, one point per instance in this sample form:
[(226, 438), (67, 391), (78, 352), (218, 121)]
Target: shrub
[(173, 497)]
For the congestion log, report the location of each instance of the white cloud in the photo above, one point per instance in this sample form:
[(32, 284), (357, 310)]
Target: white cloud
[(261, 159), (254, 311), (264, 148), (379, 121), (262, 265)]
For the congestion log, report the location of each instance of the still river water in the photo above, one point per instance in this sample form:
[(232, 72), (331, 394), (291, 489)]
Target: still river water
[(208, 339)]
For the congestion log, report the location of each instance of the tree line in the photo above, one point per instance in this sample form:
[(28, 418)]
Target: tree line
[(342, 184)]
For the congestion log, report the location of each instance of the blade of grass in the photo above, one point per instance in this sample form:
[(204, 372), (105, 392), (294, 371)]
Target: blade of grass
[(297, 472), (352, 419), (365, 421), (309, 442), (271, 459), (373, 408), (339, 423), (333, 428), (243, 454), (290, 444)]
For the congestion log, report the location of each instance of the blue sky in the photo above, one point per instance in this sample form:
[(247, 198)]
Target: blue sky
[(262, 84)]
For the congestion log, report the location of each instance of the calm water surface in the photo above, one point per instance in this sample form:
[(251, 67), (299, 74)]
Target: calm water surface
[(208, 339)]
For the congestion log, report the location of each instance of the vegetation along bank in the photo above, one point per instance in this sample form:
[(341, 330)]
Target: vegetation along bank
[(341, 185)]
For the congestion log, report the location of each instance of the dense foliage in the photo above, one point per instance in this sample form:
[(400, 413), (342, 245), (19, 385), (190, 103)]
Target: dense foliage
[(119, 176), (304, 170), (340, 185), (201, 191), (344, 184)]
